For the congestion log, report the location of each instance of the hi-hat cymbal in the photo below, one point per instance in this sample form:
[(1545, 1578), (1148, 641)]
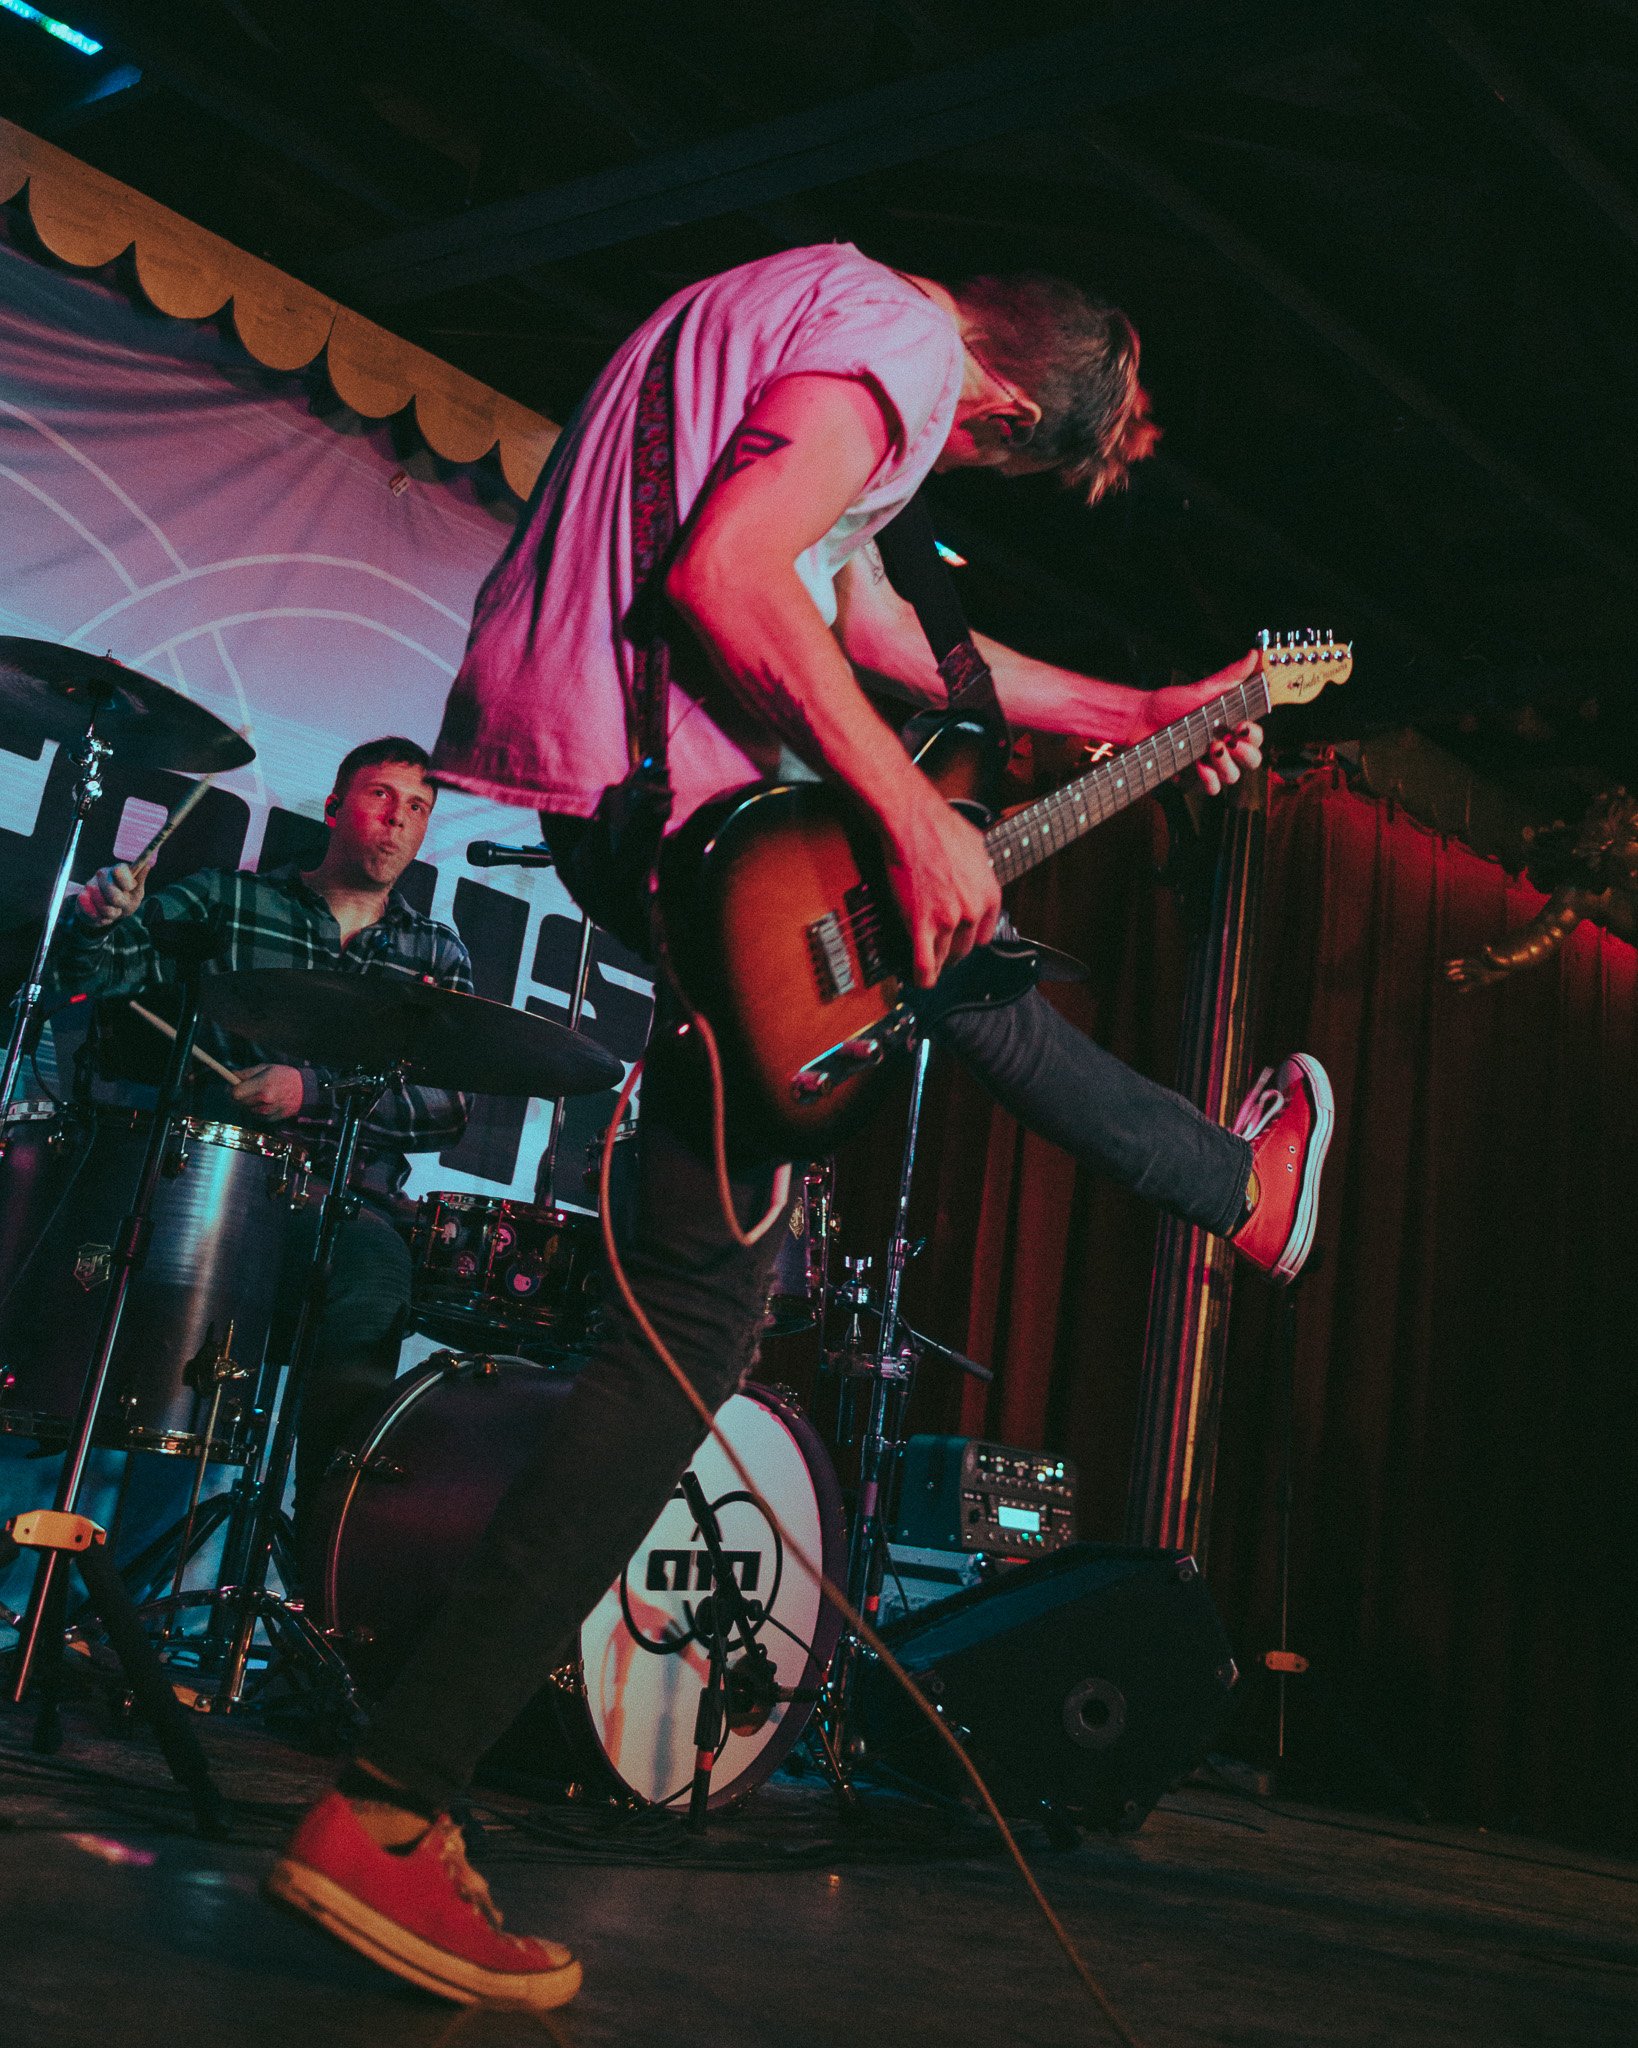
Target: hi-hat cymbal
[(47, 692), (372, 1021)]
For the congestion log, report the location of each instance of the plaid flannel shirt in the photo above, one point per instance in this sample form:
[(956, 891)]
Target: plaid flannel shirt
[(276, 920)]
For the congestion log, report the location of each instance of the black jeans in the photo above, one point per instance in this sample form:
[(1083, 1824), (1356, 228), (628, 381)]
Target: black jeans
[(366, 1312), (624, 1437)]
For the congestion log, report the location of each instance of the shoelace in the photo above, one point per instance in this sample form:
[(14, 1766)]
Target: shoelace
[(1259, 1112), (468, 1884)]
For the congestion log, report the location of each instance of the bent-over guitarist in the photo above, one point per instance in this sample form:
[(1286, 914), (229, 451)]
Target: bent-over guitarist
[(810, 394)]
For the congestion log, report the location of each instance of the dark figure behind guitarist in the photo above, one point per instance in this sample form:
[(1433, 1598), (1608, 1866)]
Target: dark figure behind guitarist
[(809, 395)]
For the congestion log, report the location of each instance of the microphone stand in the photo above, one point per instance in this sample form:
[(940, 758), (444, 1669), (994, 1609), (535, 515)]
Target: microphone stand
[(733, 1694)]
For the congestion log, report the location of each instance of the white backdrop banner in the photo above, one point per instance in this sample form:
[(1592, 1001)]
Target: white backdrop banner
[(166, 500)]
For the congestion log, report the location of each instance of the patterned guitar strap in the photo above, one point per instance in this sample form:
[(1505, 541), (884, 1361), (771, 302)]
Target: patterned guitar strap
[(614, 873)]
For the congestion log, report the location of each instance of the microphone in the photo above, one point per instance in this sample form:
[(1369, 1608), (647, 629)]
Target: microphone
[(488, 853)]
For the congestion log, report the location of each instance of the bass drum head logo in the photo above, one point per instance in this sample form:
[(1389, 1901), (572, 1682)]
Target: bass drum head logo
[(671, 1605), (644, 1655)]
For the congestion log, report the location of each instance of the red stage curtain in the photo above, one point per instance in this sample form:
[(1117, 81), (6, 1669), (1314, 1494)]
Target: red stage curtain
[(1467, 1409)]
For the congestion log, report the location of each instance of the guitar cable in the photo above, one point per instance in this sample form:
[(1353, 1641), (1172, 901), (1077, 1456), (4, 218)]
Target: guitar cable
[(838, 1600)]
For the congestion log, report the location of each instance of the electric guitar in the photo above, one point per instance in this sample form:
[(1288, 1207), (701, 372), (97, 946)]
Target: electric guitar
[(782, 928)]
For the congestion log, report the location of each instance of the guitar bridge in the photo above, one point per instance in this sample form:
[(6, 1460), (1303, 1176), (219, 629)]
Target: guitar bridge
[(832, 962)]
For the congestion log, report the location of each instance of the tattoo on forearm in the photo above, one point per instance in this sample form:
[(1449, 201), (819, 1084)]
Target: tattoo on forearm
[(747, 445), (786, 712)]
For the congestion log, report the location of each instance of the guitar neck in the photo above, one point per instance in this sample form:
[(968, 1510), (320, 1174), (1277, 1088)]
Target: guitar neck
[(1031, 835)]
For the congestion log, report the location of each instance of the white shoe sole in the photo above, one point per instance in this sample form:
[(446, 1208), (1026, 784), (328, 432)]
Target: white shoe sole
[(1300, 1242), (406, 1955)]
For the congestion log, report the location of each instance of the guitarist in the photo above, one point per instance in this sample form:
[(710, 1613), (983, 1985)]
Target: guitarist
[(807, 396)]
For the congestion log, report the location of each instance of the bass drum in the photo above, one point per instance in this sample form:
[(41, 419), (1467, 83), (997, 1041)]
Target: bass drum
[(407, 1506)]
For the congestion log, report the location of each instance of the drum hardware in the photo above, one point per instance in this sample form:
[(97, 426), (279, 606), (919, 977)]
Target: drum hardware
[(800, 1292), (384, 1028), (214, 1368), (74, 1539), (88, 758), (249, 1604), (890, 1381), (190, 949), (889, 1367), (96, 707)]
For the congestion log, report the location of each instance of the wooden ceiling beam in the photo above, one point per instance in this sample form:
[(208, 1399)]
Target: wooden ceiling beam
[(1113, 59)]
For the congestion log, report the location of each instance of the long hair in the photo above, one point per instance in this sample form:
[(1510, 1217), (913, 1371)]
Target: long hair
[(1077, 357)]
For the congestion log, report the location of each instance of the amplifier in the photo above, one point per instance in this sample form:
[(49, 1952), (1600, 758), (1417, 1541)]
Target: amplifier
[(957, 1494)]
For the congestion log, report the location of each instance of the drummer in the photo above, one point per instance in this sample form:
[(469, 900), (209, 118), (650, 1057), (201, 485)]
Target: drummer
[(345, 914)]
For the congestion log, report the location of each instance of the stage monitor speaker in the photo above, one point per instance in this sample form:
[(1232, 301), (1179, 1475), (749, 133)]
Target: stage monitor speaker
[(1092, 1679)]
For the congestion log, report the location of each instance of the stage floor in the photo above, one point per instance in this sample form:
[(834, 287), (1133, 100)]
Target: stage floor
[(1223, 1921)]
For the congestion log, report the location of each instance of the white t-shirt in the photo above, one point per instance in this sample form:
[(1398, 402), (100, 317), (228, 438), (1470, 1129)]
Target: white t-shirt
[(538, 714)]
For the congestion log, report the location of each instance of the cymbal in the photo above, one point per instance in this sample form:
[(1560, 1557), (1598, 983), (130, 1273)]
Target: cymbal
[(47, 692), (372, 1021)]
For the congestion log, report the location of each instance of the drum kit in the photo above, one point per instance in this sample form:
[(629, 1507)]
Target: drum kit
[(140, 1255)]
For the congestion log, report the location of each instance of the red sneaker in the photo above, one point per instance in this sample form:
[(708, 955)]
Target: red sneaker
[(424, 1914), (1288, 1117)]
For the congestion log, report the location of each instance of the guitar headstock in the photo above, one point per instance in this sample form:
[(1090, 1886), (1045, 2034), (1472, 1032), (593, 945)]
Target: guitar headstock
[(1299, 665)]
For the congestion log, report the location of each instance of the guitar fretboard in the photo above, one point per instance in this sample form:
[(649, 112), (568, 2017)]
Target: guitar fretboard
[(1020, 842)]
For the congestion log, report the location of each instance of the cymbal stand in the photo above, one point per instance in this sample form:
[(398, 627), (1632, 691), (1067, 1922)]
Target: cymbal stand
[(891, 1373), (130, 1249), (250, 1603), (88, 758)]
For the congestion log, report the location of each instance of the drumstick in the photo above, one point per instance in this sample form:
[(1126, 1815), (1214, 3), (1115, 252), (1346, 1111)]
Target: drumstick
[(150, 852), (199, 1054)]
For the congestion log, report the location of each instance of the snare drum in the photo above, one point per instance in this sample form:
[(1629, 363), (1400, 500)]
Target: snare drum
[(488, 1270), (217, 1221), (406, 1509)]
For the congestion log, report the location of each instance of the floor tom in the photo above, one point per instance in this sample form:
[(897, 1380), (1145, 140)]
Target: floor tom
[(217, 1234)]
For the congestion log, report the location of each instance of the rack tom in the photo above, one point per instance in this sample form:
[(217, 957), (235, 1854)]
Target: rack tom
[(488, 1270)]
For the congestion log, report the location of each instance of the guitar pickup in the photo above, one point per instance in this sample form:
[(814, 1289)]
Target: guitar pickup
[(864, 921), (832, 962)]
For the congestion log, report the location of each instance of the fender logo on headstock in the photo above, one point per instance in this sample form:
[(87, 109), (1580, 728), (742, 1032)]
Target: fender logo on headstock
[(1298, 666)]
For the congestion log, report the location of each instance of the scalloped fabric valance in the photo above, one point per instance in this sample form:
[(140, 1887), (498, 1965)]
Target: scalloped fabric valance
[(88, 219)]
